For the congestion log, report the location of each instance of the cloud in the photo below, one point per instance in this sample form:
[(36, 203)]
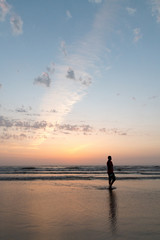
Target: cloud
[(108, 50), (22, 129), (11, 126), (16, 24), (27, 124), (108, 68), (64, 93), (4, 9), (67, 127), (52, 111), (85, 80), (7, 136), (153, 97), (63, 48), (51, 68), (78, 129), (156, 9), (86, 128), (137, 34), (95, 1), (44, 79), (0, 85), (21, 110), (70, 74), (38, 131), (4, 122), (40, 125), (103, 130), (113, 131), (68, 14), (15, 20), (131, 11), (74, 72)]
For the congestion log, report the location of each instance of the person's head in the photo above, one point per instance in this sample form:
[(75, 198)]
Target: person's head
[(109, 158)]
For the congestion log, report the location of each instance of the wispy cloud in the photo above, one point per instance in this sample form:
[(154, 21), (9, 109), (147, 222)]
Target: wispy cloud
[(8, 136), (69, 128), (75, 70), (68, 14), (131, 11), (25, 125), (16, 24), (4, 9), (153, 97), (0, 85), (156, 9), (15, 20), (40, 130), (5, 122), (21, 110), (63, 48), (85, 80), (29, 128), (51, 68), (113, 131), (137, 34), (108, 50), (108, 68)]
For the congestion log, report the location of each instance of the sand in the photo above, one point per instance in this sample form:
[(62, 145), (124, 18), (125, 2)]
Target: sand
[(66, 210)]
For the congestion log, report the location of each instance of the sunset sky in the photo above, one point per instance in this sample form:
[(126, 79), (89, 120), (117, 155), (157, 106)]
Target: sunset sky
[(79, 80)]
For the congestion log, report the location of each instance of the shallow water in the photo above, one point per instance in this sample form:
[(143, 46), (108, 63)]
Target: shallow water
[(76, 209)]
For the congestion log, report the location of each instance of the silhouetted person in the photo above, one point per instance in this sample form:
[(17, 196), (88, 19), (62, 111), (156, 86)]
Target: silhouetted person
[(110, 171)]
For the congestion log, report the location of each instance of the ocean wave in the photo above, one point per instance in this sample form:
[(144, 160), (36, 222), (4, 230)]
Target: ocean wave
[(54, 178), (29, 173)]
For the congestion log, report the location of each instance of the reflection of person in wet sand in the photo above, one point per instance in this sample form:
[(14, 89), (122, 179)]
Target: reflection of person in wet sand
[(113, 211)]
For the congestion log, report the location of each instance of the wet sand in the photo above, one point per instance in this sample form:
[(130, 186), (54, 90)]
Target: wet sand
[(66, 210)]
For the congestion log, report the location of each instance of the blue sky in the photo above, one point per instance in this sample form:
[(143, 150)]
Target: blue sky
[(79, 80)]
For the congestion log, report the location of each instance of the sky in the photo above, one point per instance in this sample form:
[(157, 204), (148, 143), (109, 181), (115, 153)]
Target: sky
[(79, 80)]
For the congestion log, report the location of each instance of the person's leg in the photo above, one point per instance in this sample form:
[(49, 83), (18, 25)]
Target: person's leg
[(113, 179), (110, 181)]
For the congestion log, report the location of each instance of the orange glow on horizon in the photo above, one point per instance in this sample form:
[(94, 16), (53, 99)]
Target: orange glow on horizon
[(81, 150)]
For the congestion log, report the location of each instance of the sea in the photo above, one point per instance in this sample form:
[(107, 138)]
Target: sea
[(53, 173)]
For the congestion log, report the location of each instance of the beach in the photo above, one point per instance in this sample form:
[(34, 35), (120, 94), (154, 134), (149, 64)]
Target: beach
[(79, 208)]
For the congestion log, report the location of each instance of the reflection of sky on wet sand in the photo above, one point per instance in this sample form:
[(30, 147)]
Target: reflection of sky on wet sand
[(53, 210), (69, 210)]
